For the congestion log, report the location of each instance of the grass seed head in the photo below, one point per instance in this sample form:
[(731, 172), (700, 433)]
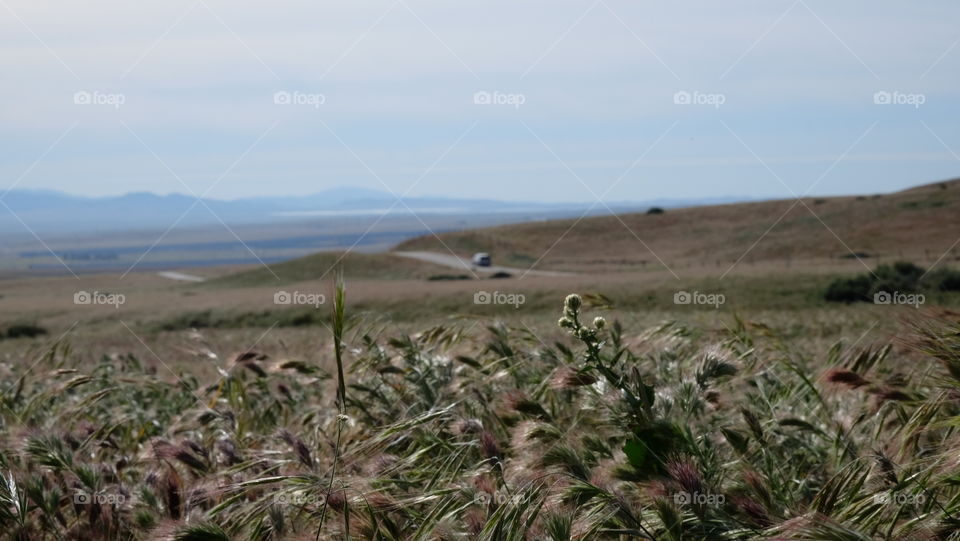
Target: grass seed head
[(847, 378), (566, 378), (489, 446)]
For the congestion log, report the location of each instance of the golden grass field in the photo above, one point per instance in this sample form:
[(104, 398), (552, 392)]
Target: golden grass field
[(770, 259), (919, 224), (208, 410)]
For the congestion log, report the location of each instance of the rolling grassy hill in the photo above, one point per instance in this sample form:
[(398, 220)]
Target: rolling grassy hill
[(918, 224), (313, 267)]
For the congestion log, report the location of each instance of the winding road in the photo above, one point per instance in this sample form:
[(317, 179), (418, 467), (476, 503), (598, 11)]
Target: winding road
[(181, 276), (455, 262)]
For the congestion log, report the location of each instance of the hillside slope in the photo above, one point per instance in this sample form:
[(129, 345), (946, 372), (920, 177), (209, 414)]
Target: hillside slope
[(321, 265), (918, 224)]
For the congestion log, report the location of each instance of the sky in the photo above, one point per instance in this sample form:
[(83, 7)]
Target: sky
[(554, 101)]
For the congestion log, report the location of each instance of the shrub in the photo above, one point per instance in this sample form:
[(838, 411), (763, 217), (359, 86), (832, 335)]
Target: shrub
[(849, 289), (23, 330), (447, 277), (943, 280), (655, 210), (856, 255), (902, 276)]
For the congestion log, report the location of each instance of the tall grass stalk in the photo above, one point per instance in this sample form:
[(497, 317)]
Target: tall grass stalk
[(339, 317)]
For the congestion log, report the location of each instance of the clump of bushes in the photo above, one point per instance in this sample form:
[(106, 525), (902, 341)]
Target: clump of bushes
[(22, 330), (655, 210), (902, 276), (447, 277)]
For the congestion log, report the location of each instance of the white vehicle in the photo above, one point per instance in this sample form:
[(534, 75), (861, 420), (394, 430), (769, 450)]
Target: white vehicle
[(481, 259)]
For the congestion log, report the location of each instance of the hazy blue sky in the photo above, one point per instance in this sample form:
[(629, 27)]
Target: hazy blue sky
[(585, 97)]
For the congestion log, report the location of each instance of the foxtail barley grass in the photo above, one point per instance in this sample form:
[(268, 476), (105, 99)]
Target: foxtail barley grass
[(339, 320), (671, 433)]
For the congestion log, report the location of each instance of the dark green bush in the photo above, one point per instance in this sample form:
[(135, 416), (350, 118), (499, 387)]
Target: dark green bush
[(849, 289), (943, 280), (447, 277), (902, 276), (23, 330)]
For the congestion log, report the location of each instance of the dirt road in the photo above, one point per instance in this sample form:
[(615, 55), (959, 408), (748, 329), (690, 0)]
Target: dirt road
[(455, 262)]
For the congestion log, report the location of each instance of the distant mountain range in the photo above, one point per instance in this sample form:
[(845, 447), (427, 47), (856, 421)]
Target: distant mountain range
[(57, 212)]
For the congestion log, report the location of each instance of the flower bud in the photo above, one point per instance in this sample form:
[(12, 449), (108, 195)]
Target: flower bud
[(572, 302), (599, 322), (565, 323)]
